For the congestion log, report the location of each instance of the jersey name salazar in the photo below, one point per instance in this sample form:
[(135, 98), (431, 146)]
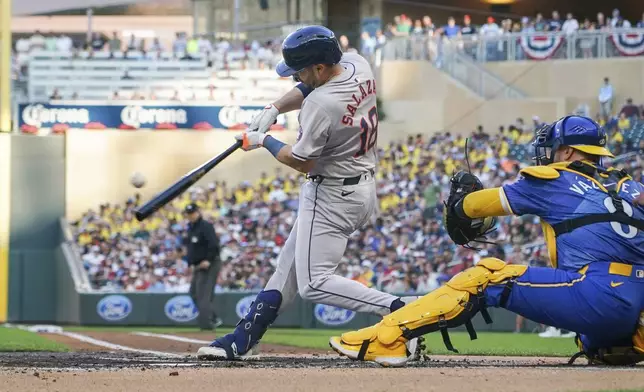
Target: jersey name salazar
[(339, 122)]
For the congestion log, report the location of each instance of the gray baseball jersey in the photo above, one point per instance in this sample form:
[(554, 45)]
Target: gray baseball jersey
[(339, 122), (338, 128)]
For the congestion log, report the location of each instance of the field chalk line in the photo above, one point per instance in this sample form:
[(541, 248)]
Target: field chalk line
[(112, 346), (171, 337)]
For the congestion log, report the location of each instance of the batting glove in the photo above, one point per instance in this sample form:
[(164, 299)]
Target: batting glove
[(262, 122), (251, 140)]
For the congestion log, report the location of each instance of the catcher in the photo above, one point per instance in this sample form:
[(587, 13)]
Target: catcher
[(594, 231)]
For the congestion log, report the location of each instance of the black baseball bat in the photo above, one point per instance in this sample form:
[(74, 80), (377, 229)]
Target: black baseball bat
[(185, 182)]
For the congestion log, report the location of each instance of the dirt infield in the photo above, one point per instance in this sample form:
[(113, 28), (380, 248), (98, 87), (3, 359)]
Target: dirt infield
[(173, 367)]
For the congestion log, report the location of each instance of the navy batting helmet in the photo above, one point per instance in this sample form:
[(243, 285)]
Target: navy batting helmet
[(308, 46)]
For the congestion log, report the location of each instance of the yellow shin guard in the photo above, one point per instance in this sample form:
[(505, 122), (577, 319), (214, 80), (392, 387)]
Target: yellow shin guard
[(446, 307)]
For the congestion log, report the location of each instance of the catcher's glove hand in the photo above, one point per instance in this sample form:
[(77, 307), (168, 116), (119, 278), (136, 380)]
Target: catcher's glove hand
[(462, 229)]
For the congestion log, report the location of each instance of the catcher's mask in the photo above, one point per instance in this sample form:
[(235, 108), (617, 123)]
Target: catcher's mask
[(580, 133)]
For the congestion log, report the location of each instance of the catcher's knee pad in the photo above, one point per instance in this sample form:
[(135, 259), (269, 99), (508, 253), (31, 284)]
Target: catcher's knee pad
[(449, 306)]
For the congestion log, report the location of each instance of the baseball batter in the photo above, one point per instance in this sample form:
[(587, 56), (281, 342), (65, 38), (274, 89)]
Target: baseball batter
[(336, 147)]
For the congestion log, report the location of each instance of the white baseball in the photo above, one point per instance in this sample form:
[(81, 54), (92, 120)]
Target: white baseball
[(137, 180)]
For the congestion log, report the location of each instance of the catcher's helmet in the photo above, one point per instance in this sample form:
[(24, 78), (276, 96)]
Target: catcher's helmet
[(308, 46), (580, 133)]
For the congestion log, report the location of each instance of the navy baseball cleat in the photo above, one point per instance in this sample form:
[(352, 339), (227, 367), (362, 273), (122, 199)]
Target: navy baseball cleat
[(242, 343)]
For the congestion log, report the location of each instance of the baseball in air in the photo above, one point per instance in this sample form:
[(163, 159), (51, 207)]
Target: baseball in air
[(137, 180)]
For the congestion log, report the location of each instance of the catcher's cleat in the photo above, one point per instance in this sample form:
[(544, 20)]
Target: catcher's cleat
[(396, 354)]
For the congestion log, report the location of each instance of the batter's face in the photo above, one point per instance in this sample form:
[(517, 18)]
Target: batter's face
[(314, 76)]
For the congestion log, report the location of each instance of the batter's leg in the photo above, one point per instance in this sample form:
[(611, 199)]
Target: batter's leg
[(280, 292), (319, 249), (284, 279)]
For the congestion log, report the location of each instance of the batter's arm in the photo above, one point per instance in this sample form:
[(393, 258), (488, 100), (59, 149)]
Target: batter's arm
[(284, 153), (293, 99)]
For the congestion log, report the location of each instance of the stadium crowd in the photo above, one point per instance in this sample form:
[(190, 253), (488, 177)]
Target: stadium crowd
[(424, 38), (405, 249), (402, 38)]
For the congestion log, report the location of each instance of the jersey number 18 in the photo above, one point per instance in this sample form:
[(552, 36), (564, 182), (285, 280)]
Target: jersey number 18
[(369, 133)]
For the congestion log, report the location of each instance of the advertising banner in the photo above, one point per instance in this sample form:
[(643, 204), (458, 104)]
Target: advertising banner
[(34, 116), (177, 309)]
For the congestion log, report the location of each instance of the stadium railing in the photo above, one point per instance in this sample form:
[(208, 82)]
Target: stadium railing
[(583, 44)]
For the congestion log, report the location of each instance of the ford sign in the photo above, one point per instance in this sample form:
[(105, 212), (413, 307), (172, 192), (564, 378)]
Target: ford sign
[(181, 309), (243, 305), (332, 315), (114, 307)]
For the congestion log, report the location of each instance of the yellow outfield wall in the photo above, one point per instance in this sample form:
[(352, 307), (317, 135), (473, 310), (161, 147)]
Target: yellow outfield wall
[(5, 208)]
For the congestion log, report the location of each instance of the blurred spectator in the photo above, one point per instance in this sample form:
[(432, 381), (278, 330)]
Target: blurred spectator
[(126, 75), (192, 47), (539, 23), (623, 122), (37, 41), (381, 40), (418, 41), (582, 110), (640, 23), (570, 26), (97, 42), (490, 33), (51, 42), (605, 98), (344, 44), (451, 30), (204, 44), (64, 43), (555, 23), (115, 44), (601, 21), (156, 46), (467, 28), (587, 44), (55, 95), (180, 43), (367, 46), (630, 110), (223, 46), (132, 44)]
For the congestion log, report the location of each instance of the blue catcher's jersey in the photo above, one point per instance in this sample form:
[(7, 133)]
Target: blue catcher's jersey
[(573, 195)]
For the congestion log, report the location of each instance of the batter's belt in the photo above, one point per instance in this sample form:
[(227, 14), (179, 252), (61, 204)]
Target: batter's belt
[(319, 179)]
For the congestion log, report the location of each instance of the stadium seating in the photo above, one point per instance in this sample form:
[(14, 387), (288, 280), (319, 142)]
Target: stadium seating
[(98, 76)]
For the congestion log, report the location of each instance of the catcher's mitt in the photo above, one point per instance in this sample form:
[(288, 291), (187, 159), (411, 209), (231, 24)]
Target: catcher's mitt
[(462, 229)]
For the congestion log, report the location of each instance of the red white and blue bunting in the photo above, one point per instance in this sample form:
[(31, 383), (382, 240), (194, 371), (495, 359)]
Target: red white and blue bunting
[(540, 47), (629, 44)]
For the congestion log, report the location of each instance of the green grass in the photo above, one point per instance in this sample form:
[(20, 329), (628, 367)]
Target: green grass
[(488, 343), (12, 339)]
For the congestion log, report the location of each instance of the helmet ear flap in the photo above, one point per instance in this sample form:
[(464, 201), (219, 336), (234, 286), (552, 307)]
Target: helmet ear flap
[(544, 145)]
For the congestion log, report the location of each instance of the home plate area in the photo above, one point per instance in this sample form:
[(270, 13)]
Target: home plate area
[(134, 361)]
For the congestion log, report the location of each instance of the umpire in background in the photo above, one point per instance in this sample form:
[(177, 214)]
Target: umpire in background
[(203, 256)]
